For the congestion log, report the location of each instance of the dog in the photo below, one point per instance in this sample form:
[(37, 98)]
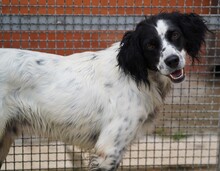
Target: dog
[(101, 100)]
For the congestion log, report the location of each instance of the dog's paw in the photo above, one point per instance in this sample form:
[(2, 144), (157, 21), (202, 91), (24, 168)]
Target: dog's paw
[(94, 163), (99, 163)]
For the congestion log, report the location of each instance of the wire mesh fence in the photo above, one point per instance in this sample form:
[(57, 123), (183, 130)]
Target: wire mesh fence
[(187, 135)]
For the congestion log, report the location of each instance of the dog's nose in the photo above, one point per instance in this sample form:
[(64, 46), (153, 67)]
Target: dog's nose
[(172, 61)]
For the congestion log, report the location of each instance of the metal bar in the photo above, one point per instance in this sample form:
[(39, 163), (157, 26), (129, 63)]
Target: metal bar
[(82, 22), (218, 156)]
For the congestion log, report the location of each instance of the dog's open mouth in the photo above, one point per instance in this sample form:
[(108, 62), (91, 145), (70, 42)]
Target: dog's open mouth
[(177, 76)]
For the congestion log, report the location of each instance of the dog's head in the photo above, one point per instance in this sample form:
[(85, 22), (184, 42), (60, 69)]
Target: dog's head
[(160, 43)]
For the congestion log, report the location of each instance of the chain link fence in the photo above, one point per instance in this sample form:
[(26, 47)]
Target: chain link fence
[(187, 135)]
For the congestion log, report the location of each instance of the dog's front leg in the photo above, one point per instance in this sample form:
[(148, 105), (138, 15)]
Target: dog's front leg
[(112, 143)]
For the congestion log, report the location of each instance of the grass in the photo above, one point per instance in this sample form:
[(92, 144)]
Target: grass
[(179, 135), (176, 136)]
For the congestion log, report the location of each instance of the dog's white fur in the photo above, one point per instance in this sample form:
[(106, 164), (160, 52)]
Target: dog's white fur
[(76, 98)]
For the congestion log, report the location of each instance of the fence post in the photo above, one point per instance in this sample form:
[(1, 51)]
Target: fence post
[(218, 156)]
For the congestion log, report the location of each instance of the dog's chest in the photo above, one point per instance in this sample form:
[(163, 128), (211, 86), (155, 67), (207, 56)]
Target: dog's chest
[(154, 99), (142, 100)]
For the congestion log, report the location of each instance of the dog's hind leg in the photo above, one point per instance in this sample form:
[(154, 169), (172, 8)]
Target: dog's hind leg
[(9, 133), (5, 144)]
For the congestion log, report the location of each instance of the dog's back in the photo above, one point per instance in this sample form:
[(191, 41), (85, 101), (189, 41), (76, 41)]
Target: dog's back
[(41, 90)]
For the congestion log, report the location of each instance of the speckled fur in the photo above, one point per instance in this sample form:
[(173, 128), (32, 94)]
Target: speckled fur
[(75, 100), (86, 99)]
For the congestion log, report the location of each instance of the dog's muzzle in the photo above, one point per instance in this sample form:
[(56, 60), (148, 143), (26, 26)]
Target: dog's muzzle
[(178, 74)]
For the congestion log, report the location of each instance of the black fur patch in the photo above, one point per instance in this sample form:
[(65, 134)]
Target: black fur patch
[(94, 137), (40, 62), (108, 85), (94, 57)]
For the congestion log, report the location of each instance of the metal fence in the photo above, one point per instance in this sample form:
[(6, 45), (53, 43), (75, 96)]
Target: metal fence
[(187, 135)]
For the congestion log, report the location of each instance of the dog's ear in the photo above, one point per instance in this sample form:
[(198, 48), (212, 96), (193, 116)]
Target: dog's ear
[(131, 59), (194, 29)]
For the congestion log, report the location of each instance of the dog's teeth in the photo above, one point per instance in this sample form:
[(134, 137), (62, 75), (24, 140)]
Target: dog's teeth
[(177, 77)]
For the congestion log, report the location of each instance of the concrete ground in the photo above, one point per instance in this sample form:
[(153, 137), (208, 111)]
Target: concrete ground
[(189, 153)]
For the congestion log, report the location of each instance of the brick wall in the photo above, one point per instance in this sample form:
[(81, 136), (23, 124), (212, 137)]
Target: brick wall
[(69, 41)]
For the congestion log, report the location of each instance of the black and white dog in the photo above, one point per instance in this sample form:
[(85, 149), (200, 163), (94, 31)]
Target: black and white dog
[(102, 100)]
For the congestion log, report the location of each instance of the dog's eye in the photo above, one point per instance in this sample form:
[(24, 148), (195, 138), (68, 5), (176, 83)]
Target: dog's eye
[(175, 35), (151, 46)]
